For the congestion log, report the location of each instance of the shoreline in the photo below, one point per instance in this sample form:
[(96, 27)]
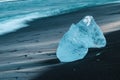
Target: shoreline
[(84, 12)]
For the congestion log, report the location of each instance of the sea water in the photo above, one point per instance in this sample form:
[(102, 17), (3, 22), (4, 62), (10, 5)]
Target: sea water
[(15, 13)]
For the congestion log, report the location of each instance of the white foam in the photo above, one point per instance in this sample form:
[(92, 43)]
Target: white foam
[(15, 23), (7, 0)]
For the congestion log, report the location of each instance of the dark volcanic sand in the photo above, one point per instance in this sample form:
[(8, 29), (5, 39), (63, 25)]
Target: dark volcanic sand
[(29, 53), (105, 66)]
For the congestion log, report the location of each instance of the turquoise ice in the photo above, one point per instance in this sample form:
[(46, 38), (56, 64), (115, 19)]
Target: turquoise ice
[(81, 36)]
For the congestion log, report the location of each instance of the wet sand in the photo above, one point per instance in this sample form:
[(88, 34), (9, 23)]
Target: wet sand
[(29, 53)]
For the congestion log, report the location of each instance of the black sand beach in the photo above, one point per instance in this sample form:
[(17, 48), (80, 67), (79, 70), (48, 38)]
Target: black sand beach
[(29, 53)]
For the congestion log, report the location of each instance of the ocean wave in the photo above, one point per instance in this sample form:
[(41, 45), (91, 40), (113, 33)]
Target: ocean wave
[(12, 24), (15, 23), (15, 15)]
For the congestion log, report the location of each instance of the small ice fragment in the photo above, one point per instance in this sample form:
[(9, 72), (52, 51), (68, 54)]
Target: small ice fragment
[(98, 54), (81, 36)]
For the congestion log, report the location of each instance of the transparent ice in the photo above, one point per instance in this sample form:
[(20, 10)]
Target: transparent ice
[(81, 36)]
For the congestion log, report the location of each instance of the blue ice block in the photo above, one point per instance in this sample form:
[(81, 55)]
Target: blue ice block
[(81, 36)]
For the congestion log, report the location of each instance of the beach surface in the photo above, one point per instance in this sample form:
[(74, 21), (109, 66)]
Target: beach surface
[(30, 53)]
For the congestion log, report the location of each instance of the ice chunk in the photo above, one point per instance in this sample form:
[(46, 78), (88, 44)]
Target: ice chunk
[(81, 36)]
